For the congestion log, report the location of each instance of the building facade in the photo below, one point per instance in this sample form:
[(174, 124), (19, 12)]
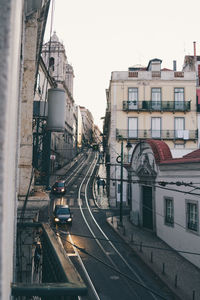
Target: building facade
[(21, 36), (149, 103), (165, 195), (63, 144), (88, 125)]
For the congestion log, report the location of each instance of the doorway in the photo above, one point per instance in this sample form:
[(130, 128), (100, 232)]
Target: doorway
[(147, 208)]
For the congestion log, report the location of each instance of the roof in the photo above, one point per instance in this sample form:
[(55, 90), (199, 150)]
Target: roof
[(154, 60), (192, 157), (137, 68), (165, 69), (161, 150), (54, 37)]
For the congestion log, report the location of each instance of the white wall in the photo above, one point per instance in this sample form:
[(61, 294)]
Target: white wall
[(178, 236), (10, 37)]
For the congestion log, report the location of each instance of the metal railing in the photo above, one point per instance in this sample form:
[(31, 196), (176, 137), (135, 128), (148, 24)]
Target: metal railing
[(157, 134), (146, 105), (55, 278)]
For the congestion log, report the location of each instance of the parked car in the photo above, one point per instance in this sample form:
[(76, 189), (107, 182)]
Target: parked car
[(59, 187), (62, 215)]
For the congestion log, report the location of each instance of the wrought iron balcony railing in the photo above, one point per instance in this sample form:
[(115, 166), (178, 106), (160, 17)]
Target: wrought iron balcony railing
[(157, 134), (157, 105)]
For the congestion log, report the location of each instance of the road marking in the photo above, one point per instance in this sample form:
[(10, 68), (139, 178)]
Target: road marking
[(71, 202), (80, 202), (114, 277), (91, 202)]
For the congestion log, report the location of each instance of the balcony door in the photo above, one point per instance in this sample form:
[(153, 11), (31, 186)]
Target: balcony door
[(132, 98), (179, 98), (156, 128), (179, 128), (132, 127), (156, 98)]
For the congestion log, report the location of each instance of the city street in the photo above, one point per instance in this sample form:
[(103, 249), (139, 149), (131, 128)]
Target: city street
[(108, 266)]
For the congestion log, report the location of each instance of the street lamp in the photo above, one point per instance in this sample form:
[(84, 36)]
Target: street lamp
[(128, 146)]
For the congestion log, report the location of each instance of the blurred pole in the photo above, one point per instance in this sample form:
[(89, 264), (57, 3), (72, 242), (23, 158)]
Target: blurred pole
[(121, 189)]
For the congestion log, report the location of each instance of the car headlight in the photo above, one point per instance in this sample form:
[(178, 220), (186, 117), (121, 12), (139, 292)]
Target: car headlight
[(69, 220), (56, 220), (62, 190)]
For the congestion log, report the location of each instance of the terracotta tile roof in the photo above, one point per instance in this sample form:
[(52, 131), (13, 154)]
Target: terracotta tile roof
[(192, 157), (163, 154), (181, 161), (193, 154), (161, 150), (165, 69)]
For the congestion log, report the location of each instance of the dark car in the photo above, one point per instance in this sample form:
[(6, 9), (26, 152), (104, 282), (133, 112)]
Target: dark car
[(59, 187), (62, 215)]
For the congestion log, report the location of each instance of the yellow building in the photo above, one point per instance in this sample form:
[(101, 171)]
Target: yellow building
[(149, 103)]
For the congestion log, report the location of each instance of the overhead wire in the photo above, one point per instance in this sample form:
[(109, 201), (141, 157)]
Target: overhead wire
[(114, 269), (135, 243)]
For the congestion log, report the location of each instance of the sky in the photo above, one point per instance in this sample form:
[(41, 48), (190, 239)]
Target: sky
[(102, 36)]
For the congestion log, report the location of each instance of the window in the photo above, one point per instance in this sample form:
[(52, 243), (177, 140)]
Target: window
[(38, 83), (192, 216), (155, 127), (132, 98), (130, 151), (169, 211), (51, 63), (156, 98), (132, 127), (179, 127), (179, 98)]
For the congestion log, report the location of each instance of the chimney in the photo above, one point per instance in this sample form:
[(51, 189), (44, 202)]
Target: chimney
[(194, 49), (174, 65)]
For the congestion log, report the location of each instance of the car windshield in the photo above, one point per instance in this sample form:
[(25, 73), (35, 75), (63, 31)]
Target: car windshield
[(59, 184), (63, 211)]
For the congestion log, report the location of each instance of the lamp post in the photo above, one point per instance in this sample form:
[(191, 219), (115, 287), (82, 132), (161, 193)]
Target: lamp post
[(128, 146), (121, 186)]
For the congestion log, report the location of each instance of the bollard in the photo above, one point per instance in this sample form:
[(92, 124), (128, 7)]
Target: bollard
[(193, 295), (141, 247), (117, 224), (176, 279), (151, 257), (131, 237), (124, 230), (163, 269)]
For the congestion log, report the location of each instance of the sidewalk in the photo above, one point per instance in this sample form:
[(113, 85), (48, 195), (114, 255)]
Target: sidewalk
[(182, 277)]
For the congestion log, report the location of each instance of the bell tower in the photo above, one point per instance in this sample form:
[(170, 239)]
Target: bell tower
[(54, 56)]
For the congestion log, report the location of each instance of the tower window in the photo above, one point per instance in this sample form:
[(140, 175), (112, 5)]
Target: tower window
[(51, 63)]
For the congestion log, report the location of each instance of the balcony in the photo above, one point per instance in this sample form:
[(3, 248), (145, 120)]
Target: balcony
[(56, 277), (156, 134), (157, 106)]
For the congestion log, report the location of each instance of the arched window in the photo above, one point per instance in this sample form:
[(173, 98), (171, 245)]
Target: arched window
[(51, 63)]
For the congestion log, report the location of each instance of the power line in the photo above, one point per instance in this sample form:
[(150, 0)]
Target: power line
[(114, 269), (160, 186), (135, 244)]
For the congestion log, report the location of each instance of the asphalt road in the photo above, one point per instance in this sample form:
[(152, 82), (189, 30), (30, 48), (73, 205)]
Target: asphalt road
[(110, 269)]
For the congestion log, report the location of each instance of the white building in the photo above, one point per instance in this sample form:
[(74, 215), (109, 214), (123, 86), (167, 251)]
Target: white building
[(88, 125), (148, 103), (165, 195)]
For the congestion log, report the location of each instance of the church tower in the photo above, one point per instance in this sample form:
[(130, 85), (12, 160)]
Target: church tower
[(54, 56)]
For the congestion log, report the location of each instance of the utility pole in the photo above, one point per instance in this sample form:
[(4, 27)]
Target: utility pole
[(121, 188)]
